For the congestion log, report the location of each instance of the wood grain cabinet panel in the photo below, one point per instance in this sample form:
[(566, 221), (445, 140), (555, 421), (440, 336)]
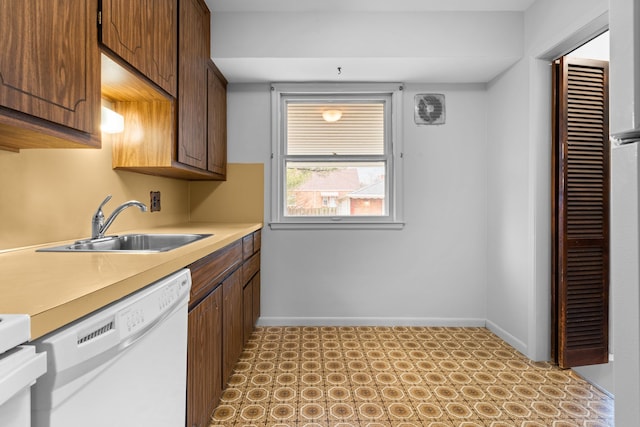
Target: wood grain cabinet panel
[(250, 267), (247, 246), (204, 384), (251, 282), (247, 311), (217, 121), (256, 298), (232, 323), (257, 240), (209, 271), (192, 83), (49, 73), (144, 33), (251, 302)]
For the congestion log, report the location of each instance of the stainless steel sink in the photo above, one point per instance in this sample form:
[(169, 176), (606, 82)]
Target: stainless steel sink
[(130, 243)]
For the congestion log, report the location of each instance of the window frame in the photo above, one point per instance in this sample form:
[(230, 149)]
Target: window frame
[(393, 156)]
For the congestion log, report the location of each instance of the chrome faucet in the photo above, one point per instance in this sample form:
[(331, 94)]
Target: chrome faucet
[(99, 225)]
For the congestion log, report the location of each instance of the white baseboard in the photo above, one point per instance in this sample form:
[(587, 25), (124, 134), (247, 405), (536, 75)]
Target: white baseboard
[(510, 339), (369, 321)]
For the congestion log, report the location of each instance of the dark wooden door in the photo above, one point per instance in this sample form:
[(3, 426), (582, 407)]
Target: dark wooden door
[(580, 221)]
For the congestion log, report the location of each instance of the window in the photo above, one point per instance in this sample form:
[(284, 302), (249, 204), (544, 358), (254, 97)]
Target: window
[(337, 157)]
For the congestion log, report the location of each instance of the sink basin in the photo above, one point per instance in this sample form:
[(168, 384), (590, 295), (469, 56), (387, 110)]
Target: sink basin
[(130, 243)]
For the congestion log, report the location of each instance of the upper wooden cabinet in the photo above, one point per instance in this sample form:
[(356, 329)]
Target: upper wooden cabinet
[(49, 74), (186, 137), (217, 121), (192, 83), (144, 33)]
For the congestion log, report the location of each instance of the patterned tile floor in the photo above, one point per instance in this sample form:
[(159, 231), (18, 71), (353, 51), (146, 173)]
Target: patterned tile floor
[(401, 377)]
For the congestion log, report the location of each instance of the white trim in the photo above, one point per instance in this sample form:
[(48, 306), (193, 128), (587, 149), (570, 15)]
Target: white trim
[(335, 88), (510, 339), (370, 321), (351, 225), (394, 218), (577, 372)]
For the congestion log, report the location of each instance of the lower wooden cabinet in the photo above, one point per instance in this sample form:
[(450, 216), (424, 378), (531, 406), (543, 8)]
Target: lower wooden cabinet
[(232, 323), (247, 311), (255, 296), (223, 310), (204, 378), (251, 282), (251, 305)]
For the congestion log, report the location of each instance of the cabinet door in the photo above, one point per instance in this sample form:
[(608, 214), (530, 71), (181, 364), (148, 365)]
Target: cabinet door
[(217, 121), (50, 61), (145, 34), (256, 298), (247, 311), (204, 384), (232, 322), (192, 83)]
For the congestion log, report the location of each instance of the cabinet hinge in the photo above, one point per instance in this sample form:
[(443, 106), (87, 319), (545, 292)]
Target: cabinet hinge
[(99, 17)]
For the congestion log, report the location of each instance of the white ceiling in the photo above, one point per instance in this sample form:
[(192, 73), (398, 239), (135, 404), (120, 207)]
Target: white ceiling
[(234, 45), (366, 5)]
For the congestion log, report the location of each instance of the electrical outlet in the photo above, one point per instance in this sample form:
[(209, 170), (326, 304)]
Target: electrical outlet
[(155, 201)]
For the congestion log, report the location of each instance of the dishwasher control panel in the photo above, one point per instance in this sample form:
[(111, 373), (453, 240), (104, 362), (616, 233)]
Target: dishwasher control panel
[(131, 319), (154, 305)]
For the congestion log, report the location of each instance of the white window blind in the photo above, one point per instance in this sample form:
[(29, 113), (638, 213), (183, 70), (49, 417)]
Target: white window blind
[(358, 131)]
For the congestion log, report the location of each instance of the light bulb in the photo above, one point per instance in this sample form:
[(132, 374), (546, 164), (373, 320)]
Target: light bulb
[(112, 122), (332, 115)]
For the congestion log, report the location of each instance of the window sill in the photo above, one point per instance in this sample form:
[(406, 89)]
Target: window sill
[(351, 225)]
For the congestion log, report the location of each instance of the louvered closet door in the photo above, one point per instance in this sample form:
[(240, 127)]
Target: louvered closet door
[(581, 212)]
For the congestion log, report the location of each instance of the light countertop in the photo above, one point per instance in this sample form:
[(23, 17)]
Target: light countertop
[(56, 288)]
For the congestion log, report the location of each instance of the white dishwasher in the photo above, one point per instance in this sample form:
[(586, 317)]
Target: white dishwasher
[(124, 365)]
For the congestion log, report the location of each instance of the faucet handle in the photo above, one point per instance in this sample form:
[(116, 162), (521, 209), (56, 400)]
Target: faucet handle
[(104, 202), (97, 220)]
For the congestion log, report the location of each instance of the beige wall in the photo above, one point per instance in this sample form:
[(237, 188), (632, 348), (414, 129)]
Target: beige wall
[(50, 195), (239, 199)]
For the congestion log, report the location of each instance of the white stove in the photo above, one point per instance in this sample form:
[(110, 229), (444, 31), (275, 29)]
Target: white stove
[(14, 330), (20, 366)]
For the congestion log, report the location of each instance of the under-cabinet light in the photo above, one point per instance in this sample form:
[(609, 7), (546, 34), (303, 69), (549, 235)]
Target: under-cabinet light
[(112, 122)]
